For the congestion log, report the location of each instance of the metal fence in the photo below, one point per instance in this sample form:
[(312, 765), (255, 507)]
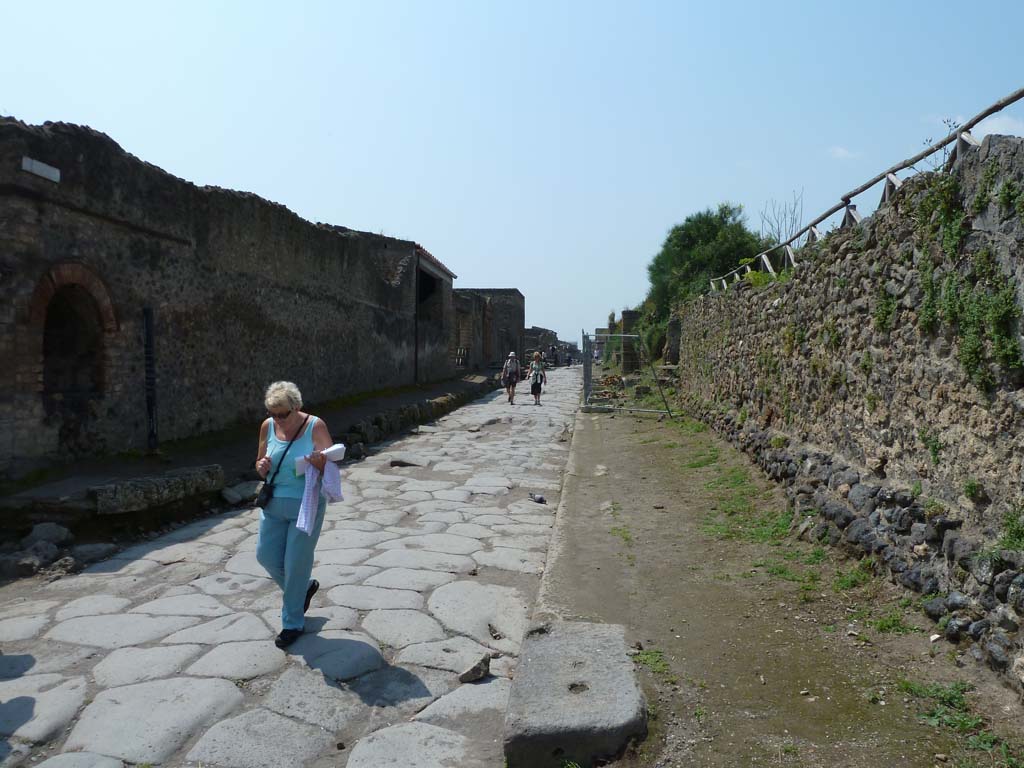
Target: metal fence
[(783, 252)]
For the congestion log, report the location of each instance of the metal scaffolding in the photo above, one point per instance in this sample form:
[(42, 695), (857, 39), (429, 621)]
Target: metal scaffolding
[(635, 344)]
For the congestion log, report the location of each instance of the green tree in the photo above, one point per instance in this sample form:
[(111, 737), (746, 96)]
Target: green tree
[(705, 245)]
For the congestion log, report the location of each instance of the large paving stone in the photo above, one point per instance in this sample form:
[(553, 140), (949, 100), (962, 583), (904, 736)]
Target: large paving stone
[(339, 655), (398, 628), (452, 494), (36, 708), (488, 613), (227, 538), (232, 583), (356, 525), (21, 628), (371, 598), (455, 654), (92, 605), (27, 608), (234, 628), (342, 556), (414, 496), (126, 666), (426, 485), (508, 559), (446, 516), (81, 760), (325, 617), (538, 543), (410, 744), (118, 630), (335, 575), (436, 542), (187, 552), (575, 695), (419, 559), (470, 707), (184, 605), (397, 693), (365, 475), (409, 578), (522, 528), (260, 739), (347, 539), (122, 565), (435, 505), (305, 694), (472, 530), (149, 722), (239, 661), (246, 564)]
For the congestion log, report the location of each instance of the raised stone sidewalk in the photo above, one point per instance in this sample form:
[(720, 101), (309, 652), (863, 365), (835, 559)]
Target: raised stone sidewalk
[(164, 655)]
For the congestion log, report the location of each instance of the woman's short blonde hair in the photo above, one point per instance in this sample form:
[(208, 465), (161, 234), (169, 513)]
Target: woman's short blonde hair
[(283, 394), (536, 355)]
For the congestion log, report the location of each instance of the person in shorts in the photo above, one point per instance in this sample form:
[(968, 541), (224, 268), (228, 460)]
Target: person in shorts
[(510, 377), (538, 377)]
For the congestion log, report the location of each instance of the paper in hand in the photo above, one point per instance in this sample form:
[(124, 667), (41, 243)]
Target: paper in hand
[(335, 453)]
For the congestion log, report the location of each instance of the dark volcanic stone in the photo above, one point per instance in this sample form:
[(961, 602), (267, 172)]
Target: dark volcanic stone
[(935, 608), (861, 497)]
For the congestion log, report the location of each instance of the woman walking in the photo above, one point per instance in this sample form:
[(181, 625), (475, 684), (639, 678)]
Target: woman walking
[(537, 377), (282, 548), (510, 376)]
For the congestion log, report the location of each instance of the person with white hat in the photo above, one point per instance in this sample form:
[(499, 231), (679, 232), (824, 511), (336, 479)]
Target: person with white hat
[(510, 377)]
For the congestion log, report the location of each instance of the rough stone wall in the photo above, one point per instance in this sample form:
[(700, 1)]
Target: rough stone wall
[(877, 386), (243, 292), (471, 318), (539, 339), (508, 319)]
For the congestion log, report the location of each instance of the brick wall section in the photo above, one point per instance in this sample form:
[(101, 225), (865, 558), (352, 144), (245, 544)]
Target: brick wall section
[(244, 292)]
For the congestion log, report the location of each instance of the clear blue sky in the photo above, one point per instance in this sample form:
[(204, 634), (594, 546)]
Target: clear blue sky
[(542, 145)]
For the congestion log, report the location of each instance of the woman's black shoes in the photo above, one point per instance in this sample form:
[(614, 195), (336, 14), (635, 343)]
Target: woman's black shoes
[(314, 585), (287, 637)]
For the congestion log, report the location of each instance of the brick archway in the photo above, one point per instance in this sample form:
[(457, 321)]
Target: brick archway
[(72, 274)]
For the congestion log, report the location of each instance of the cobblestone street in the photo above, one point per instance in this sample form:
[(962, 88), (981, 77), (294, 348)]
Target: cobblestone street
[(165, 655)]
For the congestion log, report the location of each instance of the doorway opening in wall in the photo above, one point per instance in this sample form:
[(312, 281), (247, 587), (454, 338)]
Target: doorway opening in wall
[(428, 302), (72, 361)]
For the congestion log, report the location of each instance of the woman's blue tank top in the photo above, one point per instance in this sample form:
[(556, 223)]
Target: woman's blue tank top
[(288, 485)]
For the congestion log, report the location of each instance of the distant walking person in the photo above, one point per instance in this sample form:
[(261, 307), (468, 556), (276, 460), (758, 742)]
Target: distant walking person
[(537, 377), (283, 548), (510, 377)]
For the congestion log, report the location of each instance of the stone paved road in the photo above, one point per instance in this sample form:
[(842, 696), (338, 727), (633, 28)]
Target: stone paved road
[(164, 654)]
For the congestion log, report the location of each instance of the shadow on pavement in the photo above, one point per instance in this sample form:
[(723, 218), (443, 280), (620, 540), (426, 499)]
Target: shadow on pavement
[(18, 710)]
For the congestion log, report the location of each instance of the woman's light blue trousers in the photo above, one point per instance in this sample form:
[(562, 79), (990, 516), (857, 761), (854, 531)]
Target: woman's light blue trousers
[(287, 554)]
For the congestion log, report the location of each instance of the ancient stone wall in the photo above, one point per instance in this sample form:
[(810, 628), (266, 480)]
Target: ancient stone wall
[(507, 320), (882, 384), (242, 292), (469, 344)]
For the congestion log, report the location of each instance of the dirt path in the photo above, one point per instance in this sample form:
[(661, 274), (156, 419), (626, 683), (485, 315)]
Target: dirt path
[(757, 648)]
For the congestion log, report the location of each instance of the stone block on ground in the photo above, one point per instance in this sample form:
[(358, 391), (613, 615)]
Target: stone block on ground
[(574, 698), (408, 744), (126, 666), (259, 739), (37, 707), (149, 722), (147, 492)]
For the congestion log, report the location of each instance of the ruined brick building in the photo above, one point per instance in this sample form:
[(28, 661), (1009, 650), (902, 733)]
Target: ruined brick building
[(488, 324), (137, 304)]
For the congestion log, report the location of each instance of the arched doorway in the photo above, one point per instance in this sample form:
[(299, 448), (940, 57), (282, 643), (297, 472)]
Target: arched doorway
[(72, 365)]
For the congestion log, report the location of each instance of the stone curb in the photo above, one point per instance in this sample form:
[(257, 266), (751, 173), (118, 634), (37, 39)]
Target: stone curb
[(562, 662), (543, 608)]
